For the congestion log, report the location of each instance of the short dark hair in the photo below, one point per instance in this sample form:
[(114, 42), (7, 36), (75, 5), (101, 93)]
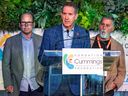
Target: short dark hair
[(26, 13), (71, 4), (108, 17)]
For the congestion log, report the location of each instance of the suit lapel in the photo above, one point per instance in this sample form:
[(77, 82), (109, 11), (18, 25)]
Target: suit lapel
[(19, 46), (76, 35), (112, 44), (60, 39), (35, 46)]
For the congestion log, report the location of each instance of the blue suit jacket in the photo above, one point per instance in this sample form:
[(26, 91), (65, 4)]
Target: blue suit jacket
[(53, 40)]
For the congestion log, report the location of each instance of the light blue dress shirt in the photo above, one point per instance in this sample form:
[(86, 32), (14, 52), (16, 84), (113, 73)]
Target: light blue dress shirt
[(29, 66), (68, 37)]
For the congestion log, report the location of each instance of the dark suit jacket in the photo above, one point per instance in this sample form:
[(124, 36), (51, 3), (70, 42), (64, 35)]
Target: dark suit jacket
[(53, 40), (13, 66), (117, 70)]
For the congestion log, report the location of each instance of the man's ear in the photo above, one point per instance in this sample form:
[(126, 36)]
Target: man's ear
[(61, 14), (33, 24), (113, 28), (76, 16), (19, 25)]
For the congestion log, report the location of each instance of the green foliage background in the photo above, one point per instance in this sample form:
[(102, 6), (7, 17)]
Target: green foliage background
[(47, 13)]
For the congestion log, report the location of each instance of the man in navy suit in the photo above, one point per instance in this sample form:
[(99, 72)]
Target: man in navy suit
[(65, 35)]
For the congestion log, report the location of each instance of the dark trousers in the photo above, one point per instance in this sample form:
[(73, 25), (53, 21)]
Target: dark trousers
[(109, 93), (37, 92)]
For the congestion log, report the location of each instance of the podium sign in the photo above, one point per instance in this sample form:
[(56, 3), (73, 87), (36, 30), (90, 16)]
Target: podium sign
[(88, 63), (82, 61)]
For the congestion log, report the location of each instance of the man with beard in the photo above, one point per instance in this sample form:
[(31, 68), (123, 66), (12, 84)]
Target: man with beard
[(116, 74)]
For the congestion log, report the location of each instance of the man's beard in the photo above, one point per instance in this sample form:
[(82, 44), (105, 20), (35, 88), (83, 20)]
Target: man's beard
[(104, 35)]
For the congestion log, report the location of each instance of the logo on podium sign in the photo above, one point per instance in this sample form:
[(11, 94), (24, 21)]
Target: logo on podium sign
[(82, 61)]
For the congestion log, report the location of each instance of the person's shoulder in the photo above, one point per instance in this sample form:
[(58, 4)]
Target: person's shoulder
[(56, 27), (81, 28), (52, 30), (37, 35), (78, 26), (115, 41), (117, 45), (14, 37)]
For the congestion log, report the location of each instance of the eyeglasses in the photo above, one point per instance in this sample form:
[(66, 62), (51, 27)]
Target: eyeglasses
[(26, 23)]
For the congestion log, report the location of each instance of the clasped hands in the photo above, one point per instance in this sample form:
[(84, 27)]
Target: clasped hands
[(10, 88)]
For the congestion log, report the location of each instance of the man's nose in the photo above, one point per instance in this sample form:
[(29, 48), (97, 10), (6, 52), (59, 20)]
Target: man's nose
[(26, 24), (66, 17), (104, 26)]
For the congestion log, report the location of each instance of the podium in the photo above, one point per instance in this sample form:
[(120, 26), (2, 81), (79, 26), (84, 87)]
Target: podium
[(90, 85), (109, 57)]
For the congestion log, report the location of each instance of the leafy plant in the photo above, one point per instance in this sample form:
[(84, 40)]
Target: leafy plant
[(124, 26), (46, 12), (90, 13), (9, 16)]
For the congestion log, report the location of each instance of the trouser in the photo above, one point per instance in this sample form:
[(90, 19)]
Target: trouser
[(37, 92)]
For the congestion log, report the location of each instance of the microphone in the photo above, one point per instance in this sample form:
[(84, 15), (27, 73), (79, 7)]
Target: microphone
[(67, 33)]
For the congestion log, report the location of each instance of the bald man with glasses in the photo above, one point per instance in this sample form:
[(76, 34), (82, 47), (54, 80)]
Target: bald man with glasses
[(20, 63)]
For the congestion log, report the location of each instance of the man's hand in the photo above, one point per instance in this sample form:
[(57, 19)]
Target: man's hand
[(114, 86), (10, 88)]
